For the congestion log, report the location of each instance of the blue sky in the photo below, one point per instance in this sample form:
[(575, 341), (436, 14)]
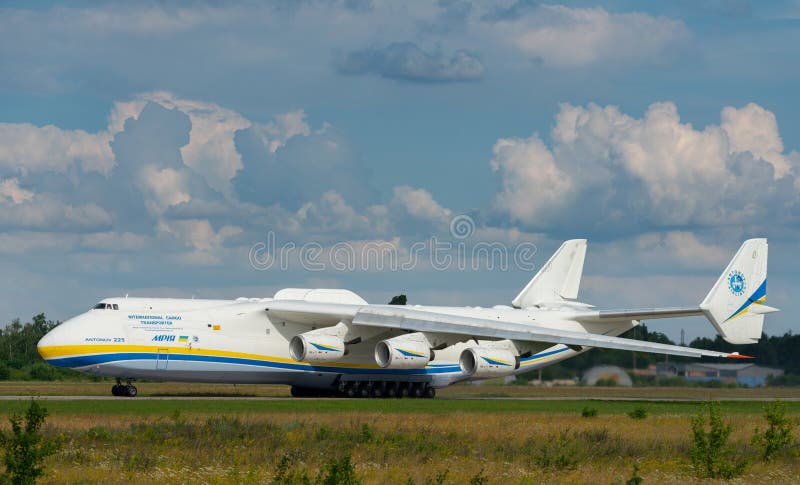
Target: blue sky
[(146, 147)]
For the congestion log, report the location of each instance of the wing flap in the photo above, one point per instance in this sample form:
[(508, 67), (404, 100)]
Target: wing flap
[(638, 314)]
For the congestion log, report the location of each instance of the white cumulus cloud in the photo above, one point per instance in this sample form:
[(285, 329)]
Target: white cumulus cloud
[(11, 190), (568, 37), (608, 168), (211, 150), (206, 243), (275, 134), (26, 148), (754, 129), (420, 204), (532, 182)]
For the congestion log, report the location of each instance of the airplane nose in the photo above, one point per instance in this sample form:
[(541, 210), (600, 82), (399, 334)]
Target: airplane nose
[(44, 343), (49, 345)]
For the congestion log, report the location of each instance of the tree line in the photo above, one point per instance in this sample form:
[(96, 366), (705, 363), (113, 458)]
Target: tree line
[(19, 359), (778, 351)]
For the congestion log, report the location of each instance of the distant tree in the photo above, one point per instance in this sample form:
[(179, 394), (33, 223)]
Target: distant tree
[(398, 300), (771, 351), (18, 341)]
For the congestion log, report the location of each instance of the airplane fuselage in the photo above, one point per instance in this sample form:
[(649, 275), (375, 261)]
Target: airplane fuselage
[(237, 341)]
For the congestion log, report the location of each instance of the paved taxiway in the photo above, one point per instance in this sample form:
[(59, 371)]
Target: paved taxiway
[(466, 398)]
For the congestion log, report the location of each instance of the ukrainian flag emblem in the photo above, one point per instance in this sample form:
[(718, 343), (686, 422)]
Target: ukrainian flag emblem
[(183, 338)]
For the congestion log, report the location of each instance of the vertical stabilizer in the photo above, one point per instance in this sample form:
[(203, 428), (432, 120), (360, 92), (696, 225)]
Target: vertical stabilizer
[(559, 279), (735, 305)]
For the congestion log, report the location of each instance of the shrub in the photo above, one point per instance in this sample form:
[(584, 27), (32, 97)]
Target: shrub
[(558, 452), (712, 456), (366, 434), (5, 371), (25, 447), (588, 412), (639, 412), (439, 479), (286, 474), (42, 372), (479, 479), (100, 433), (323, 433), (339, 472), (785, 380), (137, 460), (595, 435), (778, 434), (635, 479)]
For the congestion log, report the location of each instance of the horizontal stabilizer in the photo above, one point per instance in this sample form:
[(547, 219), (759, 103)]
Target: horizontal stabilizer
[(762, 309)]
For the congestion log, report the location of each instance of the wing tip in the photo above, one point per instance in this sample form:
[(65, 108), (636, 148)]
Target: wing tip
[(737, 355)]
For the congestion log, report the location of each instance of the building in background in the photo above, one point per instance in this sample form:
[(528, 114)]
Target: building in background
[(750, 375)]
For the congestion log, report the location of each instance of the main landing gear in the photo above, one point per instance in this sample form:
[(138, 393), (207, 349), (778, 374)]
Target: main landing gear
[(373, 389), (124, 390)]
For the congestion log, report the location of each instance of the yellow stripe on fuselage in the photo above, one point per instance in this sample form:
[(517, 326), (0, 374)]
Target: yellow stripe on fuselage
[(59, 351)]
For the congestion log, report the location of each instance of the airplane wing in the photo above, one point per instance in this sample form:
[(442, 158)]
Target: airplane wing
[(425, 321)]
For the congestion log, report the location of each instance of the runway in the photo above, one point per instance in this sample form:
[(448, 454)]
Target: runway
[(449, 398)]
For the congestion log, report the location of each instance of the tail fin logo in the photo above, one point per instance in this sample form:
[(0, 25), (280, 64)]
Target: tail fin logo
[(737, 283)]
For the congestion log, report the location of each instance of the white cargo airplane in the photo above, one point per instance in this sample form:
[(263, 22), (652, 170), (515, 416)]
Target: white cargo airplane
[(332, 342)]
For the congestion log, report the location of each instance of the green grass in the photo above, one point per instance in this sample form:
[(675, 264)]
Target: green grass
[(389, 441), (135, 407)]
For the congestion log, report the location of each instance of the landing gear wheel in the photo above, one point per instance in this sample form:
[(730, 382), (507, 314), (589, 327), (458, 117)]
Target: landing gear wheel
[(430, 392), (131, 391), (416, 390), (391, 391), (350, 391), (115, 390), (376, 392)]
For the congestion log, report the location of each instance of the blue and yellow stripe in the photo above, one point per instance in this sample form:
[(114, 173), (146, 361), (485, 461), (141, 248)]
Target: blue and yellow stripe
[(759, 296), (77, 356), (410, 353), (325, 347), (496, 362)]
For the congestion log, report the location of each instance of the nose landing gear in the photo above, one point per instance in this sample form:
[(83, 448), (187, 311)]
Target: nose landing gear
[(124, 390)]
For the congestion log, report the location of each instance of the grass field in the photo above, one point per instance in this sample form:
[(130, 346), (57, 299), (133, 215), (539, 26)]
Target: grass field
[(389, 441), (178, 389)]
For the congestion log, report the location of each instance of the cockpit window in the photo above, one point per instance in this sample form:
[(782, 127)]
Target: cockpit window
[(106, 306)]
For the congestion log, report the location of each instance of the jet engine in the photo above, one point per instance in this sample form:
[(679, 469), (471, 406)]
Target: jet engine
[(412, 351), (313, 347), (482, 362)]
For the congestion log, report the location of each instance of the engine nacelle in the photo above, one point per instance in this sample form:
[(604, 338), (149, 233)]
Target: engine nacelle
[(311, 347), (482, 362), (410, 351)]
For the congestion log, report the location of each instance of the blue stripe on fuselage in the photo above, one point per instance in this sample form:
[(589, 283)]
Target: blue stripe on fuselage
[(96, 359)]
